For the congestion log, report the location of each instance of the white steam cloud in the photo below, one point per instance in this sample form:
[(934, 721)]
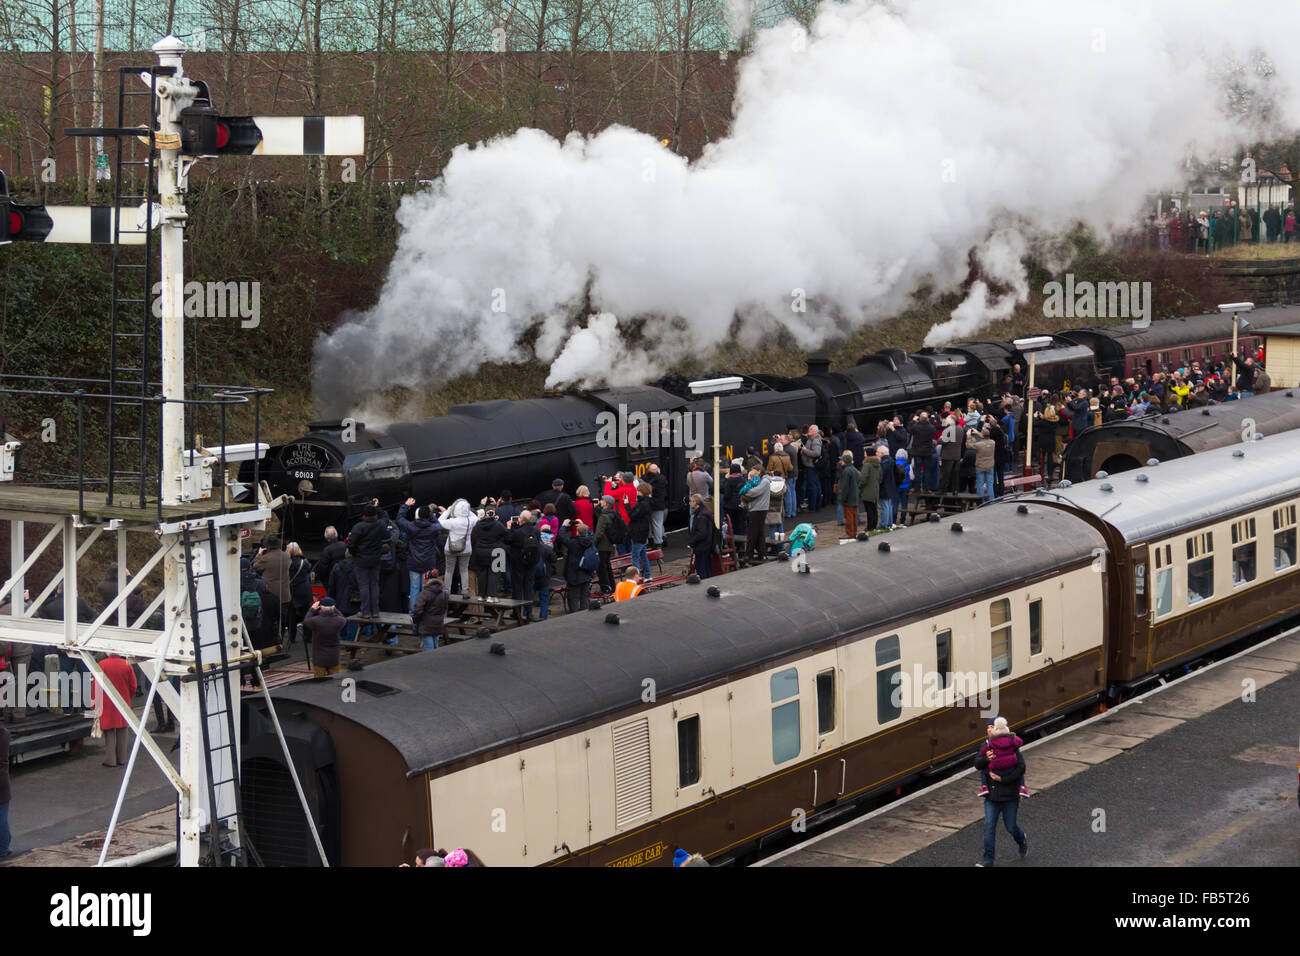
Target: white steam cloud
[(867, 159)]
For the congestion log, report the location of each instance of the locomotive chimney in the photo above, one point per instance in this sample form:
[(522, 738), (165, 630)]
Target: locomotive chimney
[(818, 365)]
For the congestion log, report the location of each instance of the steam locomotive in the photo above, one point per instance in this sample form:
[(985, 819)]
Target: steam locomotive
[(487, 447)]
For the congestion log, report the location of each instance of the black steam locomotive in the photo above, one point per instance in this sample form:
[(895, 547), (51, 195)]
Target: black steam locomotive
[(582, 435)]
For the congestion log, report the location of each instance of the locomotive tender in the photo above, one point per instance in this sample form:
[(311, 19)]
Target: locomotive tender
[(701, 721), (486, 447)]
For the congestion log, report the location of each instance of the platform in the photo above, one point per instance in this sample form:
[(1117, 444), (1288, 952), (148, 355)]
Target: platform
[(17, 499), (1190, 775)]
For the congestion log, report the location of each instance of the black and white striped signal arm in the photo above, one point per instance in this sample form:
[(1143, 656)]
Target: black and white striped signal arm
[(72, 224), (205, 133)]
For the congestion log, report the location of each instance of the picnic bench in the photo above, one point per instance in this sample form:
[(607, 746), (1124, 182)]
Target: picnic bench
[(386, 624), (490, 612), (1023, 483), (921, 504)]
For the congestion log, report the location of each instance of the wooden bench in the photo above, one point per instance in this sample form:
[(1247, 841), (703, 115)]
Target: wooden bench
[(1023, 483), (921, 504)]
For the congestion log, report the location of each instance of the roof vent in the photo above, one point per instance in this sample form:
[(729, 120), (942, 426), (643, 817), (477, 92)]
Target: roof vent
[(1290, 394), (611, 619), (883, 546), (693, 579), (957, 528), (1022, 509), (783, 556), (863, 536), (1142, 478), (713, 591), (1100, 475), (1164, 421), (1065, 483), (1205, 412), (498, 649), (1153, 462), (483, 632), (1238, 453), (594, 606), (1259, 436), (376, 689), (933, 517), (1106, 486)]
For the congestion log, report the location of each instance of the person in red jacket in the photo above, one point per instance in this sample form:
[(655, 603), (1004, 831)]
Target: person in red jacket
[(117, 734)]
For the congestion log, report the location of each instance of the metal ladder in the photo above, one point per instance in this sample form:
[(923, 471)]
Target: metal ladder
[(216, 710), (133, 361)]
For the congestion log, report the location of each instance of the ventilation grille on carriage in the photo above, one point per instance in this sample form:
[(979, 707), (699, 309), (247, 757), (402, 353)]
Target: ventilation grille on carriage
[(631, 772)]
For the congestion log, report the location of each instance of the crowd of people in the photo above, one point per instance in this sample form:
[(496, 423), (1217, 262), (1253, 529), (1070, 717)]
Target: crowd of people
[(1211, 229)]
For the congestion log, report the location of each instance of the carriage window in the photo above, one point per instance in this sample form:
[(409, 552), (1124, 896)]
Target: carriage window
[(1243, 552), (826, 702), (1284, 528), (1035, 627), (1164, 591), (1284, 550), (888, 691), (1200, 580), (943, 655), (1000, 637), (785, 717), (1243, 564), (688, 751)]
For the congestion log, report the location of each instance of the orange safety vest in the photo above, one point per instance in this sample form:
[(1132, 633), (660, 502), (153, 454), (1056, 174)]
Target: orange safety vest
[(627, 589)]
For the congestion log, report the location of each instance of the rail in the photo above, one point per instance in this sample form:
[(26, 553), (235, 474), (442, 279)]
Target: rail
[(88, 392)]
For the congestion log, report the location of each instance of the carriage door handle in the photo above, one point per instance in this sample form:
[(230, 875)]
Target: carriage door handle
[(844, 774), (814, 799)]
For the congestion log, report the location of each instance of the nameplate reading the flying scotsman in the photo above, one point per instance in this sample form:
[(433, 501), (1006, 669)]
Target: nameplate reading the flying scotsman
[(302, 460)]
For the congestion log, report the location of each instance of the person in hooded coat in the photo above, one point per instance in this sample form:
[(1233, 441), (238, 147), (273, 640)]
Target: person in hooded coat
[(324, 624), (458, 521), (430, 611), (423, 540)]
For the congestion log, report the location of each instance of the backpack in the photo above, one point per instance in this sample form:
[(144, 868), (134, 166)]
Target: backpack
[(618, 528), (803, 536), (250, 606), (532, 551), (590, 560)]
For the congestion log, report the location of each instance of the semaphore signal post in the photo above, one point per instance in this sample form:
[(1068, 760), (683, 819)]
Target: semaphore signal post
[(160, 483)]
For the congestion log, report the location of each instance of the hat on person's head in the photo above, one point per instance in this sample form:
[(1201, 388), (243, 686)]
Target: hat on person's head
[(607, 499), (456, 857), (734, 469), (847, 456), (1000, 726), (901, 454), (680, 857), (369, 511), (245, 564), (327, 602), (433, 575)]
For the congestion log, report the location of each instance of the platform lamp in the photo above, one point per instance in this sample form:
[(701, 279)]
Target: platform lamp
[(1236, 308), (715, 387), (1030, 347)]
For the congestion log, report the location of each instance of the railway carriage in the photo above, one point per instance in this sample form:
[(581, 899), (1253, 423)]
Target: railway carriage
[(1202, 550), (701, 721)]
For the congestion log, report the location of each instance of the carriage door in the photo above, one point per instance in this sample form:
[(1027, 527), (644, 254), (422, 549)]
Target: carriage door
[(830, 771)]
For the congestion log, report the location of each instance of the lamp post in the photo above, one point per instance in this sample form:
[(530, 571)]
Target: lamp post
[(1236, 308), (1030, 347), (715, 387)]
